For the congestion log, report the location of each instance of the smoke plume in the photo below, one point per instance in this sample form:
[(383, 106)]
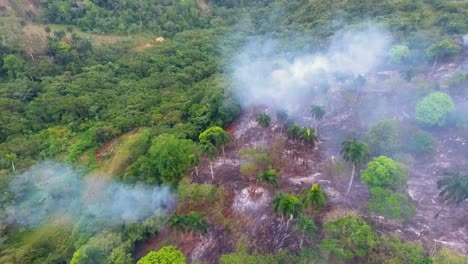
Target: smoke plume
[(264, 75), (50, 192)]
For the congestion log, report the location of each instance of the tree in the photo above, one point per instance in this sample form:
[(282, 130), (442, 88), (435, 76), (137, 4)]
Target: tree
[(14, 66), (314, 197), (453, 187), (307, 227), (444, 49), (347, 238), (190, 224), (264, 120), (216, 136), (382, 138), (398, 54), (165, 255), (318, 112), (287, 205), (433, 109), (384, 172), (171, 157), (422, 143), (355, 152), (269, 177), (390, 204)]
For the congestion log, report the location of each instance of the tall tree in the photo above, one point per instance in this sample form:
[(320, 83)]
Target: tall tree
[(356, 153), (318, 112), (454, 187)]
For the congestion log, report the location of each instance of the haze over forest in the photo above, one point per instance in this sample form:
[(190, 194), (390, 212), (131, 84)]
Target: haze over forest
[(231, 131)]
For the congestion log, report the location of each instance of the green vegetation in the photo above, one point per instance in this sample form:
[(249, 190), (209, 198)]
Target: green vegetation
[(385, 172), (264, 120), (93, 83), (356, 153), (382, 138), (314, 197), (399, 54), (433, 109), (390, 204), (348, 238), (422, 143), (190, 224), (165, 255), (287, 205)]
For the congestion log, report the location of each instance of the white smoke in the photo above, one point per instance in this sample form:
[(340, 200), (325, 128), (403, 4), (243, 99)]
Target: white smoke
[(50, 192), (264, 76)]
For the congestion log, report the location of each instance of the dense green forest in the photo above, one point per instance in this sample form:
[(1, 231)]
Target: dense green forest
[(68, 101)]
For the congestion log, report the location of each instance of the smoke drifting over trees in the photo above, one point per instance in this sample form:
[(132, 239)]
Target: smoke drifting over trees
[(263, 75), (57, 192)]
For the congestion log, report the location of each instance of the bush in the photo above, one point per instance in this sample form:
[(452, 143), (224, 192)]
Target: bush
[(433, 109), (382, 138), (399, 54), (390, 204), (348, 238), (422, 143), (166, 255)]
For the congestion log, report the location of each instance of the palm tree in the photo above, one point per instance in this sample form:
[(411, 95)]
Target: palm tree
[(314, 197), (307, 227), (264, 120), (318, 112), (269, 177), (287, 205), (282, 116), (294, 131), (355, 152), (308, 137), (454, 187)]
